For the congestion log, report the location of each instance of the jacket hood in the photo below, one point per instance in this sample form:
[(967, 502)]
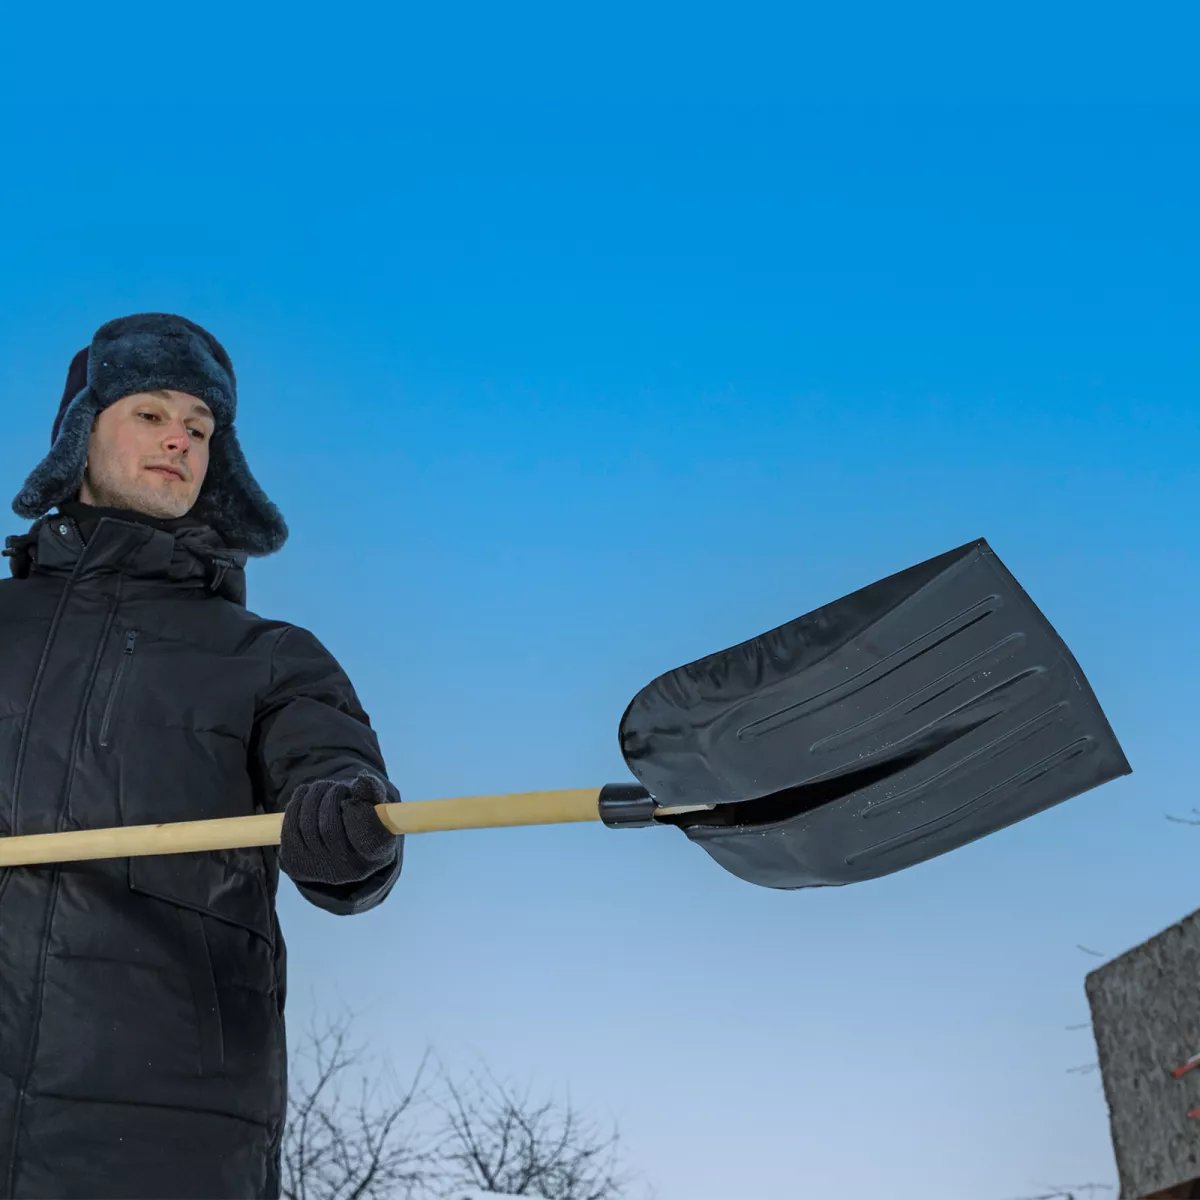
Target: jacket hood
[(79, 540)]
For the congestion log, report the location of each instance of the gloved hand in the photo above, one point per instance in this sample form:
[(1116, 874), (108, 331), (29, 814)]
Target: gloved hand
[(332, 834)]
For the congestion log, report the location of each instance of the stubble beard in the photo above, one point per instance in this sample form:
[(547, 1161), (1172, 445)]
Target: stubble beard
[(108, 492)]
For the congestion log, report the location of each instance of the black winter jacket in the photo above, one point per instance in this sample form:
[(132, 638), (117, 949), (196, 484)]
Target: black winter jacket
[(142, 1047)]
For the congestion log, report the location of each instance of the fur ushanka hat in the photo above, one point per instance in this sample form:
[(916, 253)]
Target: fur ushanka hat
[(144, 353)]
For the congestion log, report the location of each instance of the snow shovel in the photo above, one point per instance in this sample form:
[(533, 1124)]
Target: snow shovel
[(907, 719)]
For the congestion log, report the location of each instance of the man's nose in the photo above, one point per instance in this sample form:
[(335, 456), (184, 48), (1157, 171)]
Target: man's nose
[(177, 439)]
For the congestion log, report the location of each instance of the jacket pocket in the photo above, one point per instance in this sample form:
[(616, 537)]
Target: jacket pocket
[(208, 884), (114, 692), (203, 982)]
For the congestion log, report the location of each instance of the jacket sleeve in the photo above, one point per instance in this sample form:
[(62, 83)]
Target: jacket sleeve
[(310, 725)]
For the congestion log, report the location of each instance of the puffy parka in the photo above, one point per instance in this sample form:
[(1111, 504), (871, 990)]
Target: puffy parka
[(142, 1045)]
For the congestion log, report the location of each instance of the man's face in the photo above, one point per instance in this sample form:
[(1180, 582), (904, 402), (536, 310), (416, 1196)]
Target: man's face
[(149, 453)]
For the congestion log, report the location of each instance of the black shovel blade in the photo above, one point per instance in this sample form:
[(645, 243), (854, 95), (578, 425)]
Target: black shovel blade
[(904, 720)]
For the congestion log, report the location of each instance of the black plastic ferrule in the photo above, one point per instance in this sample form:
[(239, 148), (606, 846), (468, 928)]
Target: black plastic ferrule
[(626, 806)]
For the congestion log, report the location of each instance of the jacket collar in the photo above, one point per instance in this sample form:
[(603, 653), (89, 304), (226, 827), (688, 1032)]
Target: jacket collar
[(87, 542)]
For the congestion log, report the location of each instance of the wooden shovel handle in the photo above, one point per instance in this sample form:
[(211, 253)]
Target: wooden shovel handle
[(264, 829)]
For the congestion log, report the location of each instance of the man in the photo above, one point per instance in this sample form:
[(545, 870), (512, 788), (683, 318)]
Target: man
[(142, 1049)]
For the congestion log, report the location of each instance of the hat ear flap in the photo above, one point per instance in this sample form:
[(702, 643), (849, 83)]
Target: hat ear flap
[(232, 502), (58, 476)]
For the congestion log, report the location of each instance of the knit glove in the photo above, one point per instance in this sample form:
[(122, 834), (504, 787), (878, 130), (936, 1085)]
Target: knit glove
[(332, 834)]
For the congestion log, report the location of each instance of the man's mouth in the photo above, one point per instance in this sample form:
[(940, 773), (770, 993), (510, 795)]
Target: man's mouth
[(171, 472)]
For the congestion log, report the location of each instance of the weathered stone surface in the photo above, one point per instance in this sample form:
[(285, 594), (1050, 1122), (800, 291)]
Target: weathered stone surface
[(1146, 1019)]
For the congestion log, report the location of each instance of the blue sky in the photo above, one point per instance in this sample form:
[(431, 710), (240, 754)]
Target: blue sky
[(570, 360)]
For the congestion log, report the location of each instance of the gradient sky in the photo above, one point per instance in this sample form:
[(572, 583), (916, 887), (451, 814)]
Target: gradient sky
[(568, 368)]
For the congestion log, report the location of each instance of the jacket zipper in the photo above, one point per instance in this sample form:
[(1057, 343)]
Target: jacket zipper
[(6, 873), (56, 871), (130, 642)]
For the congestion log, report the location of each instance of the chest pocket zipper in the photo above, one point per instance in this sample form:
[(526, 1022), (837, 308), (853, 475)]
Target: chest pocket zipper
[(114, 694)]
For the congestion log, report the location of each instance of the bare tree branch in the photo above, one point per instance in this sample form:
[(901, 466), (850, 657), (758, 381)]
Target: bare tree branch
[(498, 1140), (1075, 1192), (363, 1151), (481, 1135)]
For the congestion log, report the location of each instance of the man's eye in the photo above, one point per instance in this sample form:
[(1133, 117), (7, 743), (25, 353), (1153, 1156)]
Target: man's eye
[(198, 433)]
